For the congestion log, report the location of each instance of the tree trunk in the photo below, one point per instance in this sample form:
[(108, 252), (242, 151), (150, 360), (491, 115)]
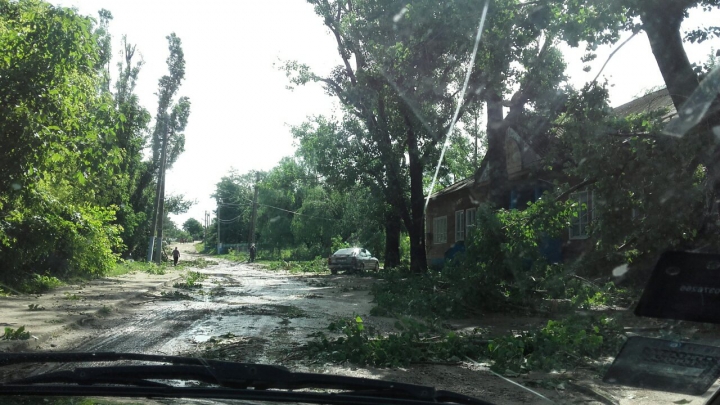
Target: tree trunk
[(392, 239), (416, 230), (496, 164), (661, 21)]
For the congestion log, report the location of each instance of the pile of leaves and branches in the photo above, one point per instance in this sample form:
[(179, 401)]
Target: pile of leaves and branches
[(192, 281), (504, 269), (317, 265), (415, 342), (580, 340)]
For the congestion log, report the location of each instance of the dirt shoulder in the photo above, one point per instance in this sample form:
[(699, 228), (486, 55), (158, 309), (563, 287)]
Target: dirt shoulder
[(66, 316)]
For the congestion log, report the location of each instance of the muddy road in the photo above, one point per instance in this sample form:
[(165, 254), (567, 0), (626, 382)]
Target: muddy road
[(263, 310), (243, 312)]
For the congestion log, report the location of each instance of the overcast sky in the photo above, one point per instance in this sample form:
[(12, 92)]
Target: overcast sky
[(241, 110)]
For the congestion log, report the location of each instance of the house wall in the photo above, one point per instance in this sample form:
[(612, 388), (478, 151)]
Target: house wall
[(445, 205)]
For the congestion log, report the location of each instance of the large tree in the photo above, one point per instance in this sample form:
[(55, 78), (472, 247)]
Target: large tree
[(58, 153), (403, 70), (168, 140)]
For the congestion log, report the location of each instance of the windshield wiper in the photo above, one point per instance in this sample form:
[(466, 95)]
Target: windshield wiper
[(226, 380)]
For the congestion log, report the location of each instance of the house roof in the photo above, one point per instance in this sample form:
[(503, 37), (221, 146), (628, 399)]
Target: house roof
[(654, 101), (462, 184)]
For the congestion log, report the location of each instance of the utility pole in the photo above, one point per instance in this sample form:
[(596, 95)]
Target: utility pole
[(217, 218), (159, 194), (476, 138), (251, 238), (161, 198)]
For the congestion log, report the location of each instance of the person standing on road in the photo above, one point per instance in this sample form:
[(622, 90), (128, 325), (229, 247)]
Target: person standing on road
[(252, 252), (176, 256)]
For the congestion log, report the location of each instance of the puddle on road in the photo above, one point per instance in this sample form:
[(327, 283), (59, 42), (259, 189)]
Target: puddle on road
[(265, 312)]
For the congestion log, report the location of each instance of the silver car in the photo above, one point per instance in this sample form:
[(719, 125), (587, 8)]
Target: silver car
[(356, 259)]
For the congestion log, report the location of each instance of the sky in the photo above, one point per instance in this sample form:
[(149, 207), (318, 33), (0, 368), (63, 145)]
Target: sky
[(241, 110)]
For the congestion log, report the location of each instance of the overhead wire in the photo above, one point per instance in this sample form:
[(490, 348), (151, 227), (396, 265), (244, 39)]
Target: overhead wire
[(277, 208)]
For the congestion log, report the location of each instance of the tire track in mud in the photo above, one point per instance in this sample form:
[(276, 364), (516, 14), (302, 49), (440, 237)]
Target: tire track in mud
[(260, 312)]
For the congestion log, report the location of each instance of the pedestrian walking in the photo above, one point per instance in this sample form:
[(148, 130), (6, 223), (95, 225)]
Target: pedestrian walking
[(253, 249), (176, 256)]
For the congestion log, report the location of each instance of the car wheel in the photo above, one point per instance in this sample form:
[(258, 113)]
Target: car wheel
[(377, 266), (333, 271), (361, 267)]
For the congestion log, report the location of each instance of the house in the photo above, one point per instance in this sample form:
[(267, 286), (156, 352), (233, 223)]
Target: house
[(451, 212)]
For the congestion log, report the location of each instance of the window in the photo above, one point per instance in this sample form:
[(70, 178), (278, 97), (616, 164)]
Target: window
[(513, 156), (470, 218), (440, 230), (459, 226), (583, 214)]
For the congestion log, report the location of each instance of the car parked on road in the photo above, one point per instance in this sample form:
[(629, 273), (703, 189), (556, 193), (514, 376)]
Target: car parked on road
[(353, 259)]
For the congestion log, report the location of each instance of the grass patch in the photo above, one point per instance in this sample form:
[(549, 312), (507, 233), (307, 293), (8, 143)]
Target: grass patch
[(317, 266), (235, 256), (199, 263), (104, 311), (16, 334), (38, 284), (71, 297), (200, 247), (192, 281), (127, 267)]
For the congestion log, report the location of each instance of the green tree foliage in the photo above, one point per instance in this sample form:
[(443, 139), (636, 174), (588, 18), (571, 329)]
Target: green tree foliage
[(649, 189), (193, 227), (59, 145), (297, 210), (74, 189), (403, 67), (662, 21)]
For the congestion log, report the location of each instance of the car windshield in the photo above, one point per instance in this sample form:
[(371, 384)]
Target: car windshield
[(538, 183)]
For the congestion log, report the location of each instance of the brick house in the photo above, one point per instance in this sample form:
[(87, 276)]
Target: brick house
[(452, 211)]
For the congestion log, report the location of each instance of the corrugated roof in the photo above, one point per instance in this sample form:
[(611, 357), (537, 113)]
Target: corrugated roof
[(657, 100)]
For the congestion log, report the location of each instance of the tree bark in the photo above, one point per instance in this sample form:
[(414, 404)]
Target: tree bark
[(496, 164), (661, 21), (392, 239), (416, 228)]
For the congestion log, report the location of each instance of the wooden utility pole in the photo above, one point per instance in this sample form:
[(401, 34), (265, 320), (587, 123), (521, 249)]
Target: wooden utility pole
[(217, 218), (476, 139), (159, 203), (251, 237)]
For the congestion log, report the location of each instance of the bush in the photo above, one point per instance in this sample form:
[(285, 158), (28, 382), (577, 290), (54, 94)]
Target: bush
[(39, 284), (63, 241)]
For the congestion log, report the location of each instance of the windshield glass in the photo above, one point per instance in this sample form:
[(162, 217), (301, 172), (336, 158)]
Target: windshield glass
[(538, 183)]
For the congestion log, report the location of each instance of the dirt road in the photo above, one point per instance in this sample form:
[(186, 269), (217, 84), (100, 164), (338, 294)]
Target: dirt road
[(243, 312)]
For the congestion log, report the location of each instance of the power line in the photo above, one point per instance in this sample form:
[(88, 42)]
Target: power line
[(283, 209)]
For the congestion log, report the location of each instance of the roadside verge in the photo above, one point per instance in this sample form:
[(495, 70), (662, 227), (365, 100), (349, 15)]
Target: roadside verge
[(64, 316)]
